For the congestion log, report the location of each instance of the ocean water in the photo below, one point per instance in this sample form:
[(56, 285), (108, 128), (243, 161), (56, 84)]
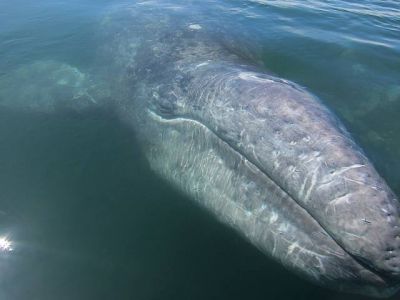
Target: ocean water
[(87, 218)]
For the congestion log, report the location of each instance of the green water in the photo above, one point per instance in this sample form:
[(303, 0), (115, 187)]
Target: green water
[(86, 216)]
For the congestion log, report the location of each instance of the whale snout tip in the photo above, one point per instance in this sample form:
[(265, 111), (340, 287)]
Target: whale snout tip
[(385, 236), (379, 249), (391, 261), (385, 287), (364, 221), (382, 283)]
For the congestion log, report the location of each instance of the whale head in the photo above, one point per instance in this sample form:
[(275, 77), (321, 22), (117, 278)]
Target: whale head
[(263, 154), (302, 190)]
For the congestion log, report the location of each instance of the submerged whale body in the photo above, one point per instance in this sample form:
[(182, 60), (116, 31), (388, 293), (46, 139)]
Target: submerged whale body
[(261, 153)]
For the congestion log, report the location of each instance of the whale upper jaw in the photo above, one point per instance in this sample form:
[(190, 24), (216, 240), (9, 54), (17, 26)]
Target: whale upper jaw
[(328, 263), (295, 141)]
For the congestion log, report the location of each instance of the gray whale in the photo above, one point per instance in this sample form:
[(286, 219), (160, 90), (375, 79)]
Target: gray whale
[(260, 152)]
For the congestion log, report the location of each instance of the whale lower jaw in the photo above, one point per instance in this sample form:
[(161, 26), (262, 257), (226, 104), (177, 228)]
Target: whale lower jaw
[(324, 244)]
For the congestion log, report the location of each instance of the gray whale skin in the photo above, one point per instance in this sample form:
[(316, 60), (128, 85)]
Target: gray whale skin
[(261, 153)]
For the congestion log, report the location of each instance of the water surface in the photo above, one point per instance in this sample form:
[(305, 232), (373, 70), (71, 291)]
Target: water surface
[(86, 216)]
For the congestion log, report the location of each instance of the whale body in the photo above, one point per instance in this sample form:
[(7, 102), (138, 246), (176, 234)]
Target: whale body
[(263, 154), (260, 152)]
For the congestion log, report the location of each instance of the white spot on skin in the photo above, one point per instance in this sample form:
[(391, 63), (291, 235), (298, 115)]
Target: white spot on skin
[(301, 249), (302, 156), (291, 169), (312, 157), (275, 154), (313, 182), (360, 183), (301, 192), (274, 218), (274, 248), (292, 247), (252, 77), (340, 200), (195, 27), (345, 169), (355, 236), (201, 64), (283, 228), (260, 210)]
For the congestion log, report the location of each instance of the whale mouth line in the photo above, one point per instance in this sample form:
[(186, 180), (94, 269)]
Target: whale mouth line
[(173, 119)]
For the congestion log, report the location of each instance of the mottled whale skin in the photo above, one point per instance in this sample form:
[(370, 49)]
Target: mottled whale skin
[(261, 153)]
